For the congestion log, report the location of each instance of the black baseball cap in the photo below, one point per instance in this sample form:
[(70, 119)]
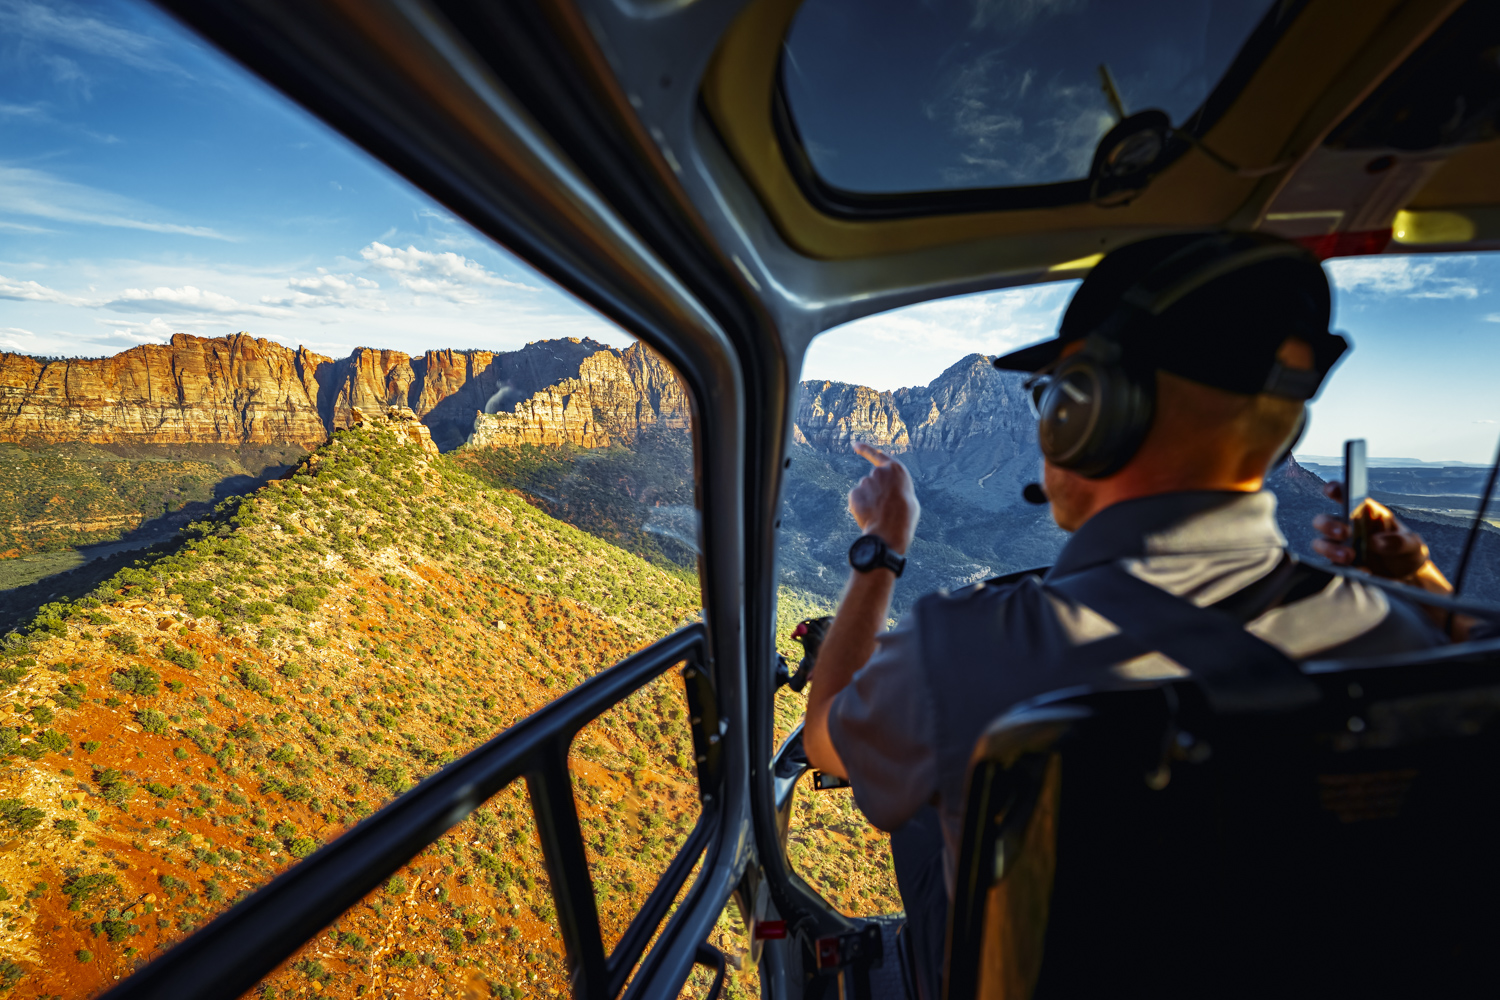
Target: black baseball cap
[(1211, 307)]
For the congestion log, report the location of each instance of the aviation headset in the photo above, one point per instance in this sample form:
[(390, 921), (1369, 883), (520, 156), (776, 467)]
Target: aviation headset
[(1095, 406)]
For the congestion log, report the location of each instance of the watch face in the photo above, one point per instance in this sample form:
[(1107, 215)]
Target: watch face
[(865, 550)]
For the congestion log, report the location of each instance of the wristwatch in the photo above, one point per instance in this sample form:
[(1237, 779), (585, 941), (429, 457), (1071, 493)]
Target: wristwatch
[(870, 552)]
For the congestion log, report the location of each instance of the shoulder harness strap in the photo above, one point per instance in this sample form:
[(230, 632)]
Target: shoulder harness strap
[(1236, 671)]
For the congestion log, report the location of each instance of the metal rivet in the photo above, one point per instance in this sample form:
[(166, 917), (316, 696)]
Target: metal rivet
[(1356, 725), (713, 738)]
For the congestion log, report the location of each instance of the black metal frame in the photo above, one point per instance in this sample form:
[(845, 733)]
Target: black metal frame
[(239, 948)]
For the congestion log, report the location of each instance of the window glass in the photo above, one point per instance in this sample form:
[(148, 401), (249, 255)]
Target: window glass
[(917, 382), (306, 489), (470, 916), (636, 788), (896, 96)]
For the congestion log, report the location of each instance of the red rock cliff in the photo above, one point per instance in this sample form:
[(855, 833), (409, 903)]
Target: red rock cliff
[(225, 391), (242, 390), (615, 396)]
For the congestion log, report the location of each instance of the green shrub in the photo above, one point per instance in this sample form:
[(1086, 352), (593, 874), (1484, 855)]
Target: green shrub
[(85, 956), (139, 679), (187, 659), (301, 847), (112, 786), (396, 886), (124, 642), (391, 777), (255, 682), (70, 695), (81, 888), (89, 746), (152, 721), (17, 814), (67, 827)]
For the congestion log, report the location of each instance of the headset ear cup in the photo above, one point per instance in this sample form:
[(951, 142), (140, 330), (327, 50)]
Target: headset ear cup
[(1093, 417), (1126, 418)]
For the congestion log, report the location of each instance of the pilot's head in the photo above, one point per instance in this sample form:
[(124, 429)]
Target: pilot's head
[(1183, 362)]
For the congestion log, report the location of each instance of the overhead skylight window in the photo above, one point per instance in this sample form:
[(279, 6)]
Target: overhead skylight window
[(900, 96)]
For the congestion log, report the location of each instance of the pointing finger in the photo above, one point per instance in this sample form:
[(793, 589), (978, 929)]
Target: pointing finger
[(872, 455)]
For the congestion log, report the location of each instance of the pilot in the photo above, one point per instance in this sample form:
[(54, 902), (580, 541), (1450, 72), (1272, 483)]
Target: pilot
[(1178, 378)]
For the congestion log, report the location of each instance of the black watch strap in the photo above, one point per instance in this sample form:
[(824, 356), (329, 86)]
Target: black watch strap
[(869, 552)]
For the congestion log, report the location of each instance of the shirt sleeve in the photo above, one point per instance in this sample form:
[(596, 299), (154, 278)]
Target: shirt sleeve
[(882, 727)]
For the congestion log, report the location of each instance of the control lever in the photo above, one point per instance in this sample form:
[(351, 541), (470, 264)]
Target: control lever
[(810, 632)]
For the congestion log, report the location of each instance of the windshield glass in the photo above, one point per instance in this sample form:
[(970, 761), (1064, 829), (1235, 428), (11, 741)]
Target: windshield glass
[(895, 96)]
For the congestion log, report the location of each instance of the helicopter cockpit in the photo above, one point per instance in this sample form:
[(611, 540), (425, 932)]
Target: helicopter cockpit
[(502, 655)]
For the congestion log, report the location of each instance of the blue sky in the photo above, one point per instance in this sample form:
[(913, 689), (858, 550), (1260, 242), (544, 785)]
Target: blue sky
[(148, 185)]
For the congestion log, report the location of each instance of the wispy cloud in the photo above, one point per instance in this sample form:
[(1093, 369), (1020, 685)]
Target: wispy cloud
[(1012, 129), (59, 25), (444, 274), (31, 291), (1492, 318), (1406, 277), (44, 115), (1017, 13), (38, 194), (187, 299)]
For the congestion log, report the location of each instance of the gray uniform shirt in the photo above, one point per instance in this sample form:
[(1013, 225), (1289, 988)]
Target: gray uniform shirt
[(906, 744)]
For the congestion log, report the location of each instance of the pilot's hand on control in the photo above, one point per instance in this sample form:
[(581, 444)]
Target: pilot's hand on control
[(1394, 550), (884, 503)]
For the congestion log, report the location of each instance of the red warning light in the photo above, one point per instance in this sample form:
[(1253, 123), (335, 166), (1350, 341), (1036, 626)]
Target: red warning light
[(770, 930)]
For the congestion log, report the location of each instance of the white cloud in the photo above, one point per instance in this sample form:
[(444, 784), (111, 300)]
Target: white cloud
[(914, 344), (1492, 318), (1406, 277), (446, 274), (328, 289), (1487, 421), (187, 299), (37, 194), (31, 291)]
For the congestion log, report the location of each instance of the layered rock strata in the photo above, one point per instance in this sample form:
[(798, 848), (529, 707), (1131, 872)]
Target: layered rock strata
[(615, 396), (229, 390), (242, 390)]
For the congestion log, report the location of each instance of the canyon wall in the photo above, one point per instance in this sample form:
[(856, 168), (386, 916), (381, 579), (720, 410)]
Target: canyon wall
[(243, 390), (225, 391), (614, 397)]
